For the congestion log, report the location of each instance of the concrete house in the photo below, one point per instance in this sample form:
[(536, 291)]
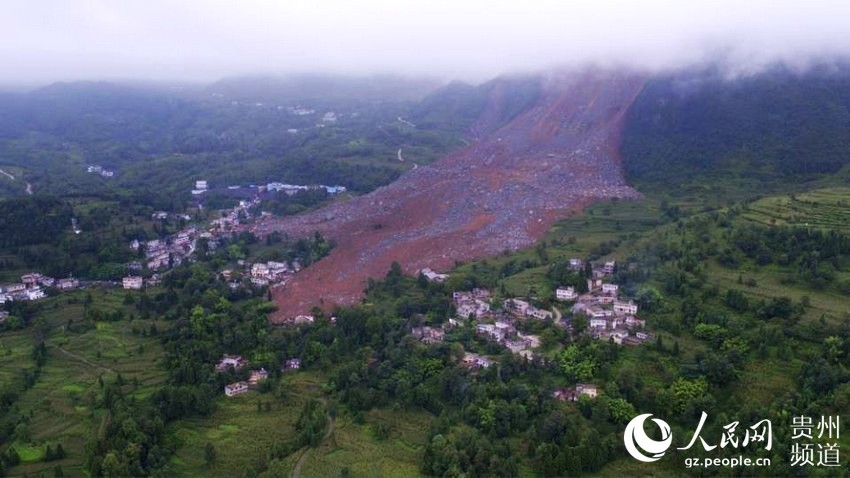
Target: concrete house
[(230, 361), (235, 388), (566, 293), (133, 282), (625, 308)]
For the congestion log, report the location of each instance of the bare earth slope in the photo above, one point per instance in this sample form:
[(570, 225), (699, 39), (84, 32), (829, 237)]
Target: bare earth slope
[(502, 192)]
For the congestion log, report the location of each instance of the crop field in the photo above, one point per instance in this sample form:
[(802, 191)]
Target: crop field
[(243, 437), (822, 208), (60, 403), (357, 448)]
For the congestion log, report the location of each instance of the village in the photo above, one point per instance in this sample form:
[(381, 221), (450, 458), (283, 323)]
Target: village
[(609, 317), (161, 255)]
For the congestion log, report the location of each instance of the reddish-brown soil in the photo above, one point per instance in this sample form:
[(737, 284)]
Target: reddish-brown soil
[(502, 192)]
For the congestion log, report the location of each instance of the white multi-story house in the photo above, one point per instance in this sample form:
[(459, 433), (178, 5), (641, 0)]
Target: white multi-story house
[(539, 314), (67, 284), (235, 388), (260, 270), (625, 308), (517, 306), (34, 294), (566, 293), (133, 282), (610, 289)]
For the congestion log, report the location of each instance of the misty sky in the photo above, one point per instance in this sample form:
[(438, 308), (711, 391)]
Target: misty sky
[(50, 40)]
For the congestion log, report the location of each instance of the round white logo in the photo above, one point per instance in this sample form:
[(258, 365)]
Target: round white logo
[(636, 440)]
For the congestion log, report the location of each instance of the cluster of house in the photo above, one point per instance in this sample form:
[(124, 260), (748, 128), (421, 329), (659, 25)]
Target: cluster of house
[(434, 276), (503, 332), (292, 189), (265, 273), (430, 335), (521, 308), (173, 250), (231, 218), (609, 317), (298, 110), (162, 215), (170, 252), (30, 287), (236, 362), (94, 169), (475, 303)]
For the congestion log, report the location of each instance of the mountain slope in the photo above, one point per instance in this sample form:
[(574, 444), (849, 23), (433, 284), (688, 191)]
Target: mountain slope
[(775, 129), (500, 193)]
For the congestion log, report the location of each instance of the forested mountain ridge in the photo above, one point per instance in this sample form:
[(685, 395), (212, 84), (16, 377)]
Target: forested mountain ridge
[(753, 133), (339, 131)]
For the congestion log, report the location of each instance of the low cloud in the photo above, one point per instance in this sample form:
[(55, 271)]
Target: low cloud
[(204, 40)]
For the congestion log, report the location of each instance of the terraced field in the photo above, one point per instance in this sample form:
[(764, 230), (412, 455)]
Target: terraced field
[(827, 208), (61, 403)]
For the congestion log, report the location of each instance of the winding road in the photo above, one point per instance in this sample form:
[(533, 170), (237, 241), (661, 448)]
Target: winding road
[(401, 158), (12, 177)]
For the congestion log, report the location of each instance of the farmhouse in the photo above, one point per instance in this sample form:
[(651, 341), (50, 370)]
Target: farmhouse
[(257, 376), (568, 293), (260, 270), (573, 394), (292, 364), (13, 288), (31, 280), (428, 335), (587, 389), (133, 282), (67, 284), (610, 289), (625, 308), (517, 306), (235, 388), (33, 294), (230, 361), (472, 360)]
